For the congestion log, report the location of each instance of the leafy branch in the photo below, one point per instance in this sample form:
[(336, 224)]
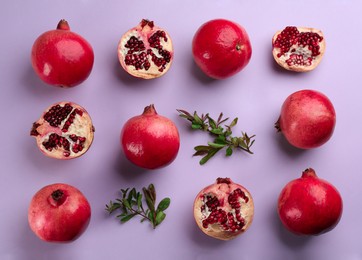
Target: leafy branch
[(131, 204), (223, 135)]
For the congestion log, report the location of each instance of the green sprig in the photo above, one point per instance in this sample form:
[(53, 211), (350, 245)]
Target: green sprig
[(223, 135), (131, 204)]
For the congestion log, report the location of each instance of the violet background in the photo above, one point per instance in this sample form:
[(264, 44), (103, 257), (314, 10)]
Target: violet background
[(111, 97)]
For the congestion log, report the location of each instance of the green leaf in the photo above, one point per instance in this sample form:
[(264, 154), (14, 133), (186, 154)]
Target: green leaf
[(131, 195), (207, 157), (195, 126), (220, 140), (112, 206), (139, 200), (124, 192), (126, 203), (202, 148), (200, 153), (197, 119), (215, 145), (164, 204), (233, 123), (151, 216), (127, 217), (149, 201), (217, 131), (152, 191), (229, 151), (159, 217), (212, 123)]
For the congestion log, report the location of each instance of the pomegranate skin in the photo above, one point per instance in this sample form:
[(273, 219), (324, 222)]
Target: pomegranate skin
[(221, 48), (307, 119), (59, 218), (149, 140), (310, 205), (61, 57)]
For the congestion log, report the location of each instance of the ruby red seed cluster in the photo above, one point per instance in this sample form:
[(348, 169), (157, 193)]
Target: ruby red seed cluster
[(290, 37), (229, 221), (137, 55), (55, 116)]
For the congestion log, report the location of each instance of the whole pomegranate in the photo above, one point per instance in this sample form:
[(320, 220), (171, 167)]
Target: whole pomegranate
[(62, 58), (298, 49), (64, 131), (150, 140), (309, 205), (307, 119), (59, 213), (146, 51), (224, 210), (221, 48)]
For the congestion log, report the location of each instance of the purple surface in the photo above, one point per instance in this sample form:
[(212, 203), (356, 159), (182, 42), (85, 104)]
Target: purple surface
[(111, 97)]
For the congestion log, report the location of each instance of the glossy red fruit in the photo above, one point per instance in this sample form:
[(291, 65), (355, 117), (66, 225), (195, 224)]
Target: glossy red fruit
[(310, 205), (61, 57), (64, 131), (298, 49), (224, 210), (221, 48), (146, 51), (59, 213), (307, 119), (150, 140)]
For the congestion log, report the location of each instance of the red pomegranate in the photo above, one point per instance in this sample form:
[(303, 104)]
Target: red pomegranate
[(150, 140), (61, 57), (309, 205), (298, 49), (307, 119), (224, 210), (64, 131), (59, 213), (221, 48), (146, 51)]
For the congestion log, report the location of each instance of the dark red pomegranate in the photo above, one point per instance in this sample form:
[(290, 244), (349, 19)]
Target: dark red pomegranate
[(307, 119), (59, 213), (224, 210), (64, 131), (146, 51), (150, 140), (309, 205), (221, 48), (298, 49), (61, 57)]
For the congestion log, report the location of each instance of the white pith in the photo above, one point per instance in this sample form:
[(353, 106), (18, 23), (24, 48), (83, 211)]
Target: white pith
[(304, 51)]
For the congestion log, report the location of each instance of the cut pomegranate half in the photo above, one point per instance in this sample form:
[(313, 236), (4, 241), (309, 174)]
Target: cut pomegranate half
[(298, 49), (64, 131), (224, 210), (145, 51)]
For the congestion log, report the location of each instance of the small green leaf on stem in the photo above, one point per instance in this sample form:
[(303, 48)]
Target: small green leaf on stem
[(131, 205), (222, 135)]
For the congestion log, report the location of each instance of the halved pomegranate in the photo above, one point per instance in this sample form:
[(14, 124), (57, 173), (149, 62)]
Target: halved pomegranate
[(146, 51), (224, 210), (298, 49), (64, 131)]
